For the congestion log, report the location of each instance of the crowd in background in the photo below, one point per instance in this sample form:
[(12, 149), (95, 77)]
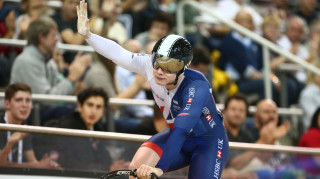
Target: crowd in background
[(231, 62)]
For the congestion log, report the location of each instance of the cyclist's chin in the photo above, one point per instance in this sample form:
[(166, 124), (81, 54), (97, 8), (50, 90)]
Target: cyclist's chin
[(161, 82)]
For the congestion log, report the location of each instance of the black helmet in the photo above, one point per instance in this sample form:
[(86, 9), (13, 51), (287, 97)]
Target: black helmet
[(172, 53)]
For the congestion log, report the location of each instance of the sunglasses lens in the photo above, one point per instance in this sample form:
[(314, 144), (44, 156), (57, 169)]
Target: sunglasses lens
[(168, 65)]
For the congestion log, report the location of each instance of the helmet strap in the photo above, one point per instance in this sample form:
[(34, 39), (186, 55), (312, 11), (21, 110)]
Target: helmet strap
[(177, 76)]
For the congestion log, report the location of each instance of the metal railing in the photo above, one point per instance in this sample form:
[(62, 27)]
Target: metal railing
[(62, 46), (54, 4), (142, 138), (267, 45), (134, 102)]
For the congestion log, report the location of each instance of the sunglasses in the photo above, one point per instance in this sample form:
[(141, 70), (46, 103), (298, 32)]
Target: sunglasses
[(167, 64)]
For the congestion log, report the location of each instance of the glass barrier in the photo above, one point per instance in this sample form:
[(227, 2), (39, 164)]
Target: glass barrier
[(267, 165), (81, 157), (77, 156)]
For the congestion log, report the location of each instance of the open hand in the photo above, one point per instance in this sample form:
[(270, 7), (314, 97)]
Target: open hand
[(83, 21), (78, 66)]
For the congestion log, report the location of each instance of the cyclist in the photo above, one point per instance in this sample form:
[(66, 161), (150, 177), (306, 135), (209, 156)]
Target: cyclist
[(196, 135)]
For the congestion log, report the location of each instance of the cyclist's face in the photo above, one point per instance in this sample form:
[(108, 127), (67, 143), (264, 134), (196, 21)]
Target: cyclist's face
[(162, 77)]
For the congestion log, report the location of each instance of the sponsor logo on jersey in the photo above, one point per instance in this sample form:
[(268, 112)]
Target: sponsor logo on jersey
[(205, 111), (183, 114), (217, 165), (192, 90), (212, 123), (220, 144), (175, 102), (187, 107), (208, 116), (217, 168), (176, 108), (141, 54), (219, 154)]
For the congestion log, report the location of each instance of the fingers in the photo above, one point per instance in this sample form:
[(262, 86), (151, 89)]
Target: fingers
[(82, 9), (85, 12), (144, 171), (78, 10)]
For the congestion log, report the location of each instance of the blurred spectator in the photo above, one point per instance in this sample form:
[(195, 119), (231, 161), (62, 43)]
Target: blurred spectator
[(271, 31), (266, 131), (160, 26), (101, 74), (16, 147), (34, 10), (8, 16), (104, 21), (229, 9), (281, 9), (310, 97), (66, 19), (314, 41), (234, 114), (153, 126), (85, 153), (141, 12), (30, 66), (126, 78), (241, 58), (201, 60), (311, 138), (266, 116), (307, 9), (296, 31), (270, 28)]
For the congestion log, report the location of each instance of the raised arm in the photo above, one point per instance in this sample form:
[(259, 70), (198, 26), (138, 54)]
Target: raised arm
[(137, 63)]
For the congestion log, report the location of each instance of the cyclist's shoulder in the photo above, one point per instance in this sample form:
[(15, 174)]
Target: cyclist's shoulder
[(196, 79)]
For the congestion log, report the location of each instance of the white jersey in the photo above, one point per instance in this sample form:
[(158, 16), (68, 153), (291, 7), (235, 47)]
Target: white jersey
[(194, 95), (139, 63)]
